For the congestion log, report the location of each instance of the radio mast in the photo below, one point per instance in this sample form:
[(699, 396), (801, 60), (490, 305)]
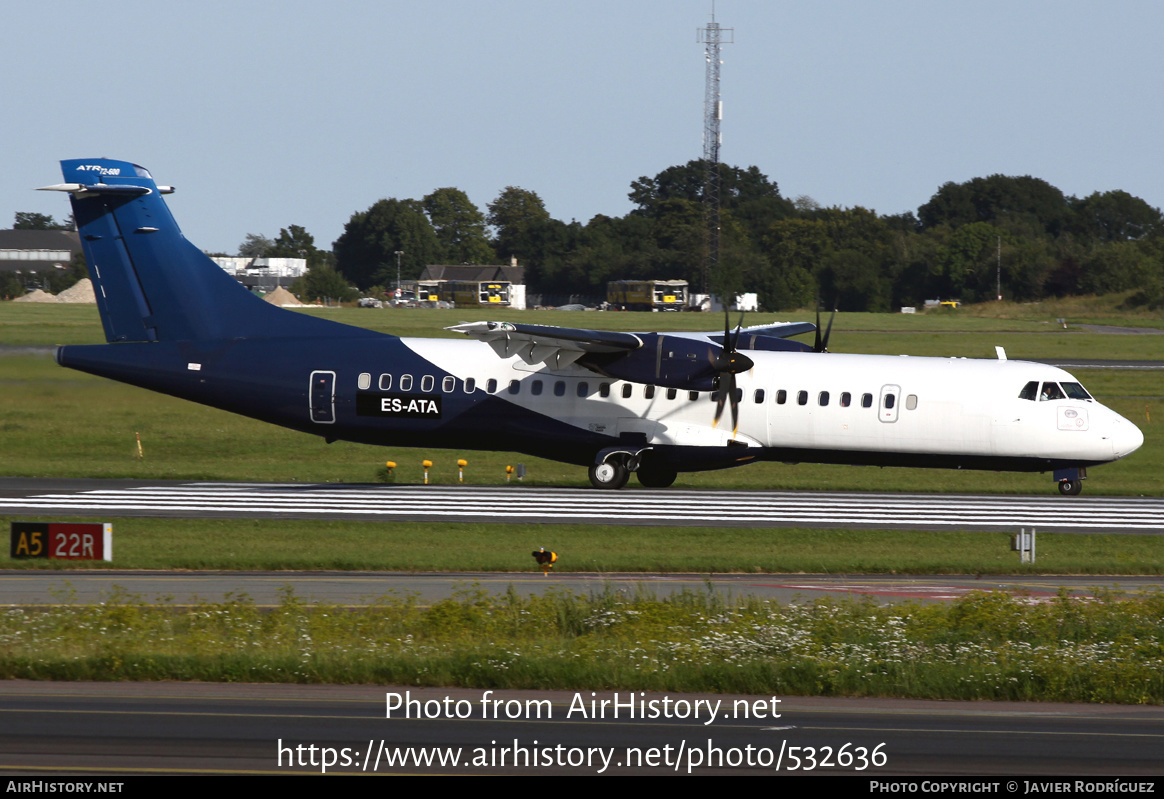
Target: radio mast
[(712, 37)]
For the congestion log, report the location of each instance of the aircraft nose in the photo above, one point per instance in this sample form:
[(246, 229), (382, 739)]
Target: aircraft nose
[(1126, 438)]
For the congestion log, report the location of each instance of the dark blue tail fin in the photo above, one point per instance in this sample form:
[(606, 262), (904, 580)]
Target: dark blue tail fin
[(151, 283)]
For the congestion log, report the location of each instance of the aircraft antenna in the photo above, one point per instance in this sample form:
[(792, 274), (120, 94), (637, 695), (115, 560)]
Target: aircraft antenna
[(713, 36)]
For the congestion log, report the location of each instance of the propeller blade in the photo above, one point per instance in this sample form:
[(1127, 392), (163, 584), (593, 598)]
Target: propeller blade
[(828, 331), (735, 403), (817, 345), (720, 396)]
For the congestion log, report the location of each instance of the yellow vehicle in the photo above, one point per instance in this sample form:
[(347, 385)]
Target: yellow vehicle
[(428, 290), (473, 292), (647, 295)]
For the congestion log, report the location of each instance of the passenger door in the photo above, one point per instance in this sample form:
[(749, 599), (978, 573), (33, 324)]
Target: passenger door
[(322, 397)]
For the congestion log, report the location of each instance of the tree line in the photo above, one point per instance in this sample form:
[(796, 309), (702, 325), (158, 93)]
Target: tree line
[(1022, 230)]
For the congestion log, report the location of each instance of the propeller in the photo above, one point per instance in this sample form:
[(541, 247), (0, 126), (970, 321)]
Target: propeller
[(822, 344), (728, 363)]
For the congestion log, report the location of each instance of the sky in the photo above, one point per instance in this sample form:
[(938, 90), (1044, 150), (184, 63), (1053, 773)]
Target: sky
[(266, 114)]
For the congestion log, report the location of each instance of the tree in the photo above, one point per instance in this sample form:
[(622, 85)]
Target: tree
[(737, 187), (513, 216), (793, 248), (296, 242), (322, 282), (255, 246), (366, 251), (459, 226), (1021, 204), (29, 220), (1114, 216)]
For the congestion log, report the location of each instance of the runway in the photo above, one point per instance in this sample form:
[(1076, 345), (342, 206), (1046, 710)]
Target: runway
[(516, 504), (109, 729)]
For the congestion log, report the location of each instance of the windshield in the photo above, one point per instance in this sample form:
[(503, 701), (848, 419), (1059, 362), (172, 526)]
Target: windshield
[(1075, 391)]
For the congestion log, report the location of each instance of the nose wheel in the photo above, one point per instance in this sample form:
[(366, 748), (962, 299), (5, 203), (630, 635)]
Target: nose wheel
[(1070, 488)]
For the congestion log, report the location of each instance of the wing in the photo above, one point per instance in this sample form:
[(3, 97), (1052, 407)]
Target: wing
[(675, 360), (557, 347)]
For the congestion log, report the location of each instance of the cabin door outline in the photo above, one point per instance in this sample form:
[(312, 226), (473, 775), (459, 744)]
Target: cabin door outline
[(321, 397), (892, 395)]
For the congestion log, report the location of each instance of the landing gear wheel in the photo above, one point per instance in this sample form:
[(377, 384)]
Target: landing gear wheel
[(611, 475), (656, 477), (1070, 488)]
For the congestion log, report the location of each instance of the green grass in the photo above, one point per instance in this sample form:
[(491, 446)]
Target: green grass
[(985, 646), (272, 544)]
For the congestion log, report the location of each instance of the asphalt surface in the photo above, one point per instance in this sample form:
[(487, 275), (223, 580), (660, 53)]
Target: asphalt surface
[(30, 588), (109, 729), (515, 504)]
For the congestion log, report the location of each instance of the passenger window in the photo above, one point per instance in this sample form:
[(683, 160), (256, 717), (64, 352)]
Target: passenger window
[(889, 401), (385, 382), (866, 400), (559, 388), (470, 385), (781, 397), (364, 381), (427, 382), (802, 398), (535, 388), (1051, 391), (448, 384), (491, 385), (514, 386), (672, 393), (627, 388), (846, 399), (583, 389), (693, 396), (604, 389), (759, 395), (739, 395), (1030, 391), (822, 399), (911, 402), (406, 382), (649, 392)]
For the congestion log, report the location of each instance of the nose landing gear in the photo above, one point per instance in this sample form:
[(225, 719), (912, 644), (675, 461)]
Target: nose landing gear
[(1070, 481)]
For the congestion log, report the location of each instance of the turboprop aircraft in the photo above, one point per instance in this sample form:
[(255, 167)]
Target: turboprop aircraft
[(618, 403)]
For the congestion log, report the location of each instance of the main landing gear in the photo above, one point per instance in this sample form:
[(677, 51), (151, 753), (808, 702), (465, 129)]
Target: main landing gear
[(614, 467), (611, 474)]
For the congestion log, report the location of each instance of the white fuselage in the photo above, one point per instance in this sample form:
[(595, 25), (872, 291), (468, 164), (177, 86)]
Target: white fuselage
[(819, 402)]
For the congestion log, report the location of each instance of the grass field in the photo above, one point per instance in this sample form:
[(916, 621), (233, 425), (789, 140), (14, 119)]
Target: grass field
[(56, 422), (61, 423), (984, 646), (246, 544)]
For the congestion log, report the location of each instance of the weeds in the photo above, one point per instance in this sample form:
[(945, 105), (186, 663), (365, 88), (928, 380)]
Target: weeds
[(985, 646)]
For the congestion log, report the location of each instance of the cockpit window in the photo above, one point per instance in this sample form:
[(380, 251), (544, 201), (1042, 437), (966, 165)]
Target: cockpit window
[(1051, 391), (1075, 391), (1030, 391)]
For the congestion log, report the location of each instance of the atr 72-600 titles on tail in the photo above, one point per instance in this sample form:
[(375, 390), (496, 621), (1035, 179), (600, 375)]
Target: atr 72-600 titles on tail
[(648, 403)]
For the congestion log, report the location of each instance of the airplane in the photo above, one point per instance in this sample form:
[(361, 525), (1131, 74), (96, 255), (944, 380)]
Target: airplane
[(616, 403)]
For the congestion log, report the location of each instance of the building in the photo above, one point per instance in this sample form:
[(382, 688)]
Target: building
[(262, 274), (491, 273), (33, 254)]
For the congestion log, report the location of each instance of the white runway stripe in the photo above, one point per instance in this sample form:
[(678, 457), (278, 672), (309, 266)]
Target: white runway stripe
[(527, 504)]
